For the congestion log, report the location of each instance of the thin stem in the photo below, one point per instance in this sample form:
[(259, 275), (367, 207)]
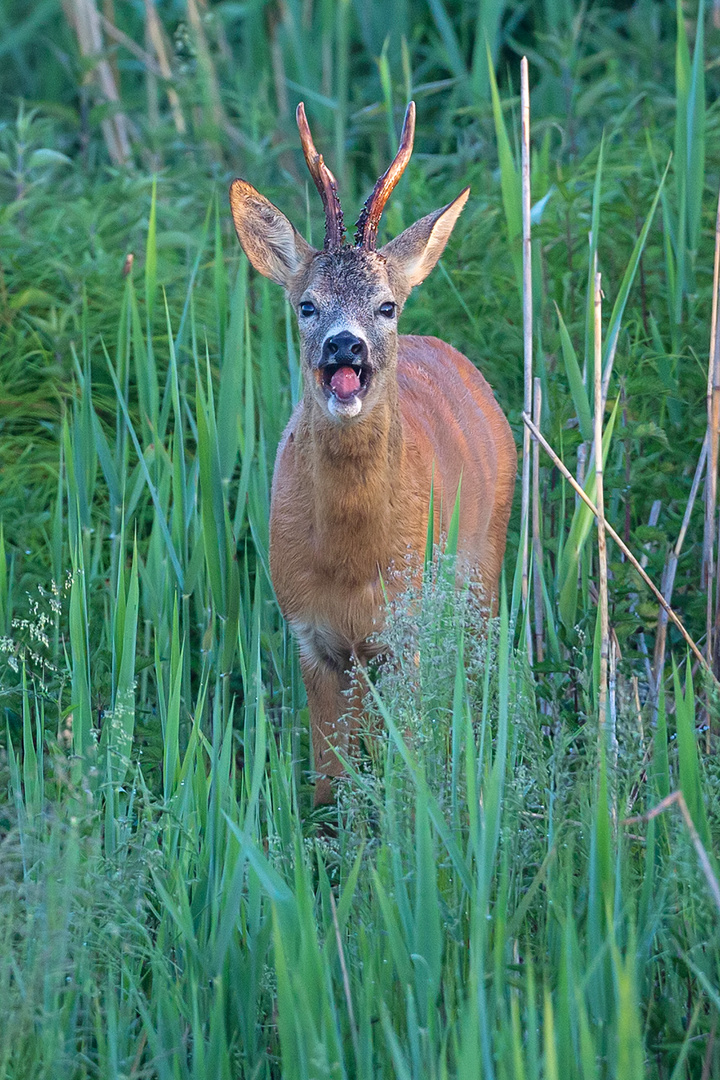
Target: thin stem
[(527, 318), (155, 34), (668, 580), (713, 415), (537, 542), (602, 546)]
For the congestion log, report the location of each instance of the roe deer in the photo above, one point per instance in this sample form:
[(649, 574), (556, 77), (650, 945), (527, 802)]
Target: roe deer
[(382, 418)]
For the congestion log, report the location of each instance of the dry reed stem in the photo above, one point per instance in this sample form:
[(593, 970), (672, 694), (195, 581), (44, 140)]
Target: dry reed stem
[(716, 631), (677, 797), (278, 65), (121, 38), (717, 578), (713, 415), (668, 579), (527, 319), (600, 496), (558, 462), (107, 15), (537, 542), (155, 34), (85, 19), (152, 94), (219, 118)]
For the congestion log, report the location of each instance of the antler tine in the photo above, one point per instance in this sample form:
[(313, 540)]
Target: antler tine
[(369, 220), (325, 182)]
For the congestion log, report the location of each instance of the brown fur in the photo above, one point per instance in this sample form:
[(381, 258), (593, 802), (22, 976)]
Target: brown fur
[(351, 491), (346, 510)]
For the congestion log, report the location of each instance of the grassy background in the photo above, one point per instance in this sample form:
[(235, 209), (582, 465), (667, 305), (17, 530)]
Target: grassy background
[(169, 907)]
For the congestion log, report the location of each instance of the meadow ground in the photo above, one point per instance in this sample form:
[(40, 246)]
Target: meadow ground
[(500, 898)]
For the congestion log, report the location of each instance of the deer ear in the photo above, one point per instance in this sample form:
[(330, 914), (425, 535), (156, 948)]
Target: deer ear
[(274, 247), (415, 251)]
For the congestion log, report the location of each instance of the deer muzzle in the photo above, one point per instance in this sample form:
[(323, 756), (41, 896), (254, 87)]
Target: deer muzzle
[(344, 373)]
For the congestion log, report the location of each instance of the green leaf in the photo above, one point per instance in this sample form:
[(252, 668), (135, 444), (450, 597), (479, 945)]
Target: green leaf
[(450, 43), (44, 157), (428, 941), (575, 379), (688, 763), (510, 183)]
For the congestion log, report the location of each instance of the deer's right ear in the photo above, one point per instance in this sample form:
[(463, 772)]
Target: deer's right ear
[(274, 247)]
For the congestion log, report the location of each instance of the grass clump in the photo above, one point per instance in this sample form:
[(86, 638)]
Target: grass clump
[(483, 905)]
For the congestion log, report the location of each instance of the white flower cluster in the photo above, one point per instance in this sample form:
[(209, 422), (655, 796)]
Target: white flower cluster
[(31, 642)]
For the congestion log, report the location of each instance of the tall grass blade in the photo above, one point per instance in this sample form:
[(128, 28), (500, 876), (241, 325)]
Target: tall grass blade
[(688, 762), (510, 181), (575, 381), (567, 575)]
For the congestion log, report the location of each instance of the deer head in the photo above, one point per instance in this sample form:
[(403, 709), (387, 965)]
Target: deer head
[(347, 298)]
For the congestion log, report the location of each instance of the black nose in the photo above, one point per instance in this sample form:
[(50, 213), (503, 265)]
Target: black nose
[(343, 348)]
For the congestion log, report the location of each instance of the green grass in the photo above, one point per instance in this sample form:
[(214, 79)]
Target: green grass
[(171, 904)]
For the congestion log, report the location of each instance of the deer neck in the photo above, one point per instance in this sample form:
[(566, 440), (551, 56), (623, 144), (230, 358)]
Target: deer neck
[(356, 473)]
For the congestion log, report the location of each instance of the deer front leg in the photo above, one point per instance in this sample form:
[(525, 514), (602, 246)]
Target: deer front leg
[(333, 721)]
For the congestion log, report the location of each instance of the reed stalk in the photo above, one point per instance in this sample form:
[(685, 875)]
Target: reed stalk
[(278, 67), (607, 716), (212, 85), (85, 19), (121, 38), (716, 638), (156, 37), (537, 541), (527, 320), (711, 439), (151, 86), (108, 18), (602, 546)]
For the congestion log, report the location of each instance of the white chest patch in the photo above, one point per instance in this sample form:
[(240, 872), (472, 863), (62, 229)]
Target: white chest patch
[(321, 644)]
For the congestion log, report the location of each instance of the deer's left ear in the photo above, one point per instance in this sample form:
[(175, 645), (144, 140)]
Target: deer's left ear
[(415, 251)]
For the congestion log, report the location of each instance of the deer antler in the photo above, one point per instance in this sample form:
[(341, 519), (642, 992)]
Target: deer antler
[(325, 182), (367, 223)]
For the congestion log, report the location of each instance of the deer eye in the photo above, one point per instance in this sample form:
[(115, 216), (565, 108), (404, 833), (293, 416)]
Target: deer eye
[(387, 309), (307, 308)]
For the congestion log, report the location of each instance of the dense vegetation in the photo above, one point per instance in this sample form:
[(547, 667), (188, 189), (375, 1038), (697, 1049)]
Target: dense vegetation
[(171, 905)]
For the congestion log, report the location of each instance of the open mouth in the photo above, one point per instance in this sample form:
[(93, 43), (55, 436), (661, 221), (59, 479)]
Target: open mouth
[(346, 383)]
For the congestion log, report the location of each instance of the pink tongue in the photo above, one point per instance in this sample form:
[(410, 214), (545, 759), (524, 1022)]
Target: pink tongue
[(345, 382)]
